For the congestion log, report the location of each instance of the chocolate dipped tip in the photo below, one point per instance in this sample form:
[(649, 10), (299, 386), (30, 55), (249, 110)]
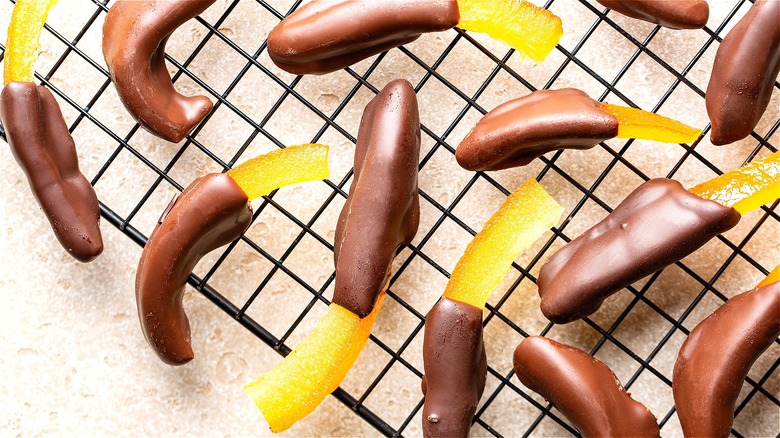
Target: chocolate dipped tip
[(518, 131), (328, 35), (382, 212), (674, 14), (134, 38), (43, 147), (209, 213), (584, 389)]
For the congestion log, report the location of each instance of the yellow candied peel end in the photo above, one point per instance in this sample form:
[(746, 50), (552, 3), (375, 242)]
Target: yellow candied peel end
[(24, 31), (773, 277), (636, 123)]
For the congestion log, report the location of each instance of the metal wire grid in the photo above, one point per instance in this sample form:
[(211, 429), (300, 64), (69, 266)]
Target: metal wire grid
[(418, 251)]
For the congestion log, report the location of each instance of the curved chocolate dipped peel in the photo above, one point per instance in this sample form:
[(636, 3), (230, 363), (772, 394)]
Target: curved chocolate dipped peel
[(134, 38), (382, 212), (716, 358), (657, 224), (455, 368), (44, 149), (209, 213), (517, 132), (744, 72), (674, 14), (327, 35), (584, 389)]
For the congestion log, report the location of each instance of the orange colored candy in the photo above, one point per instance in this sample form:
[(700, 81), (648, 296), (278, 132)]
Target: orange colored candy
[(531, 30), (747, 188), (27, 20), (635, 123), (773, 277), (519, 222)]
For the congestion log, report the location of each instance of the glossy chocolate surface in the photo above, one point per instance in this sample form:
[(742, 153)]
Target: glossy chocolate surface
[(44, 149), (327, 35), (657, 224), (134, 38), (744, 72), (211, 212), (674, 14), (717, 356), (382, 212), (584, 389), (455, 368), (516, 132)]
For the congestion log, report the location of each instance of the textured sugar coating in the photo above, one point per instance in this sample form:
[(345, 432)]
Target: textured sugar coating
[(21, 51), (314, 369), (746, 188), (636, 123), (294, 164), (531, 30), (519, 222)]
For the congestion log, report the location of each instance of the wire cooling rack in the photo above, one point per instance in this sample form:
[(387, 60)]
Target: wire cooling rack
[(637, 334)]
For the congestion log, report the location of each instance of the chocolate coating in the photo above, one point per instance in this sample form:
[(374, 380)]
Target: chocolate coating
[(211, 212), (716, 358), (44, 149), (674, 14), (382, 212), (455, 368), (134, 38), (516, 132), (327, 35), (585, 390), (744, 72), (657, 224)]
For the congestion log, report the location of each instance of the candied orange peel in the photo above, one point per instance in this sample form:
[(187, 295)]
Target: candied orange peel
[(531, 30), (27, 20), (519, 222), (773, 277), (636, 123)]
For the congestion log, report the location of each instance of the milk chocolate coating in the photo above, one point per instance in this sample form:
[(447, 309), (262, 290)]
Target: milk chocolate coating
[(382, 212), (327, 35), (516, 132), (585, 390), (657, 224), (134, 38), (43, 147), (716, 358), (744, 73), (674, 14), (455, 368), (211, 212)]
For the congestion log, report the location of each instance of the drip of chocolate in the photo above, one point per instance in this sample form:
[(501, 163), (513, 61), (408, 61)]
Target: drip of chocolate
[(455, 368), (382, 212), (327, 35), (585, 390), (517, 132), (657, 224), (134, 38), (744, 73), (716, 358), (674, 14), (45, 150), (211, 212)]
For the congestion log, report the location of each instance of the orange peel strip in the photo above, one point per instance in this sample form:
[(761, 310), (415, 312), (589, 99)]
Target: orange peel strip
[(531, 30), (773, 277), (314, 369), (747, 188), (519, 222), (636, 123), (27, 20), (294, 164)]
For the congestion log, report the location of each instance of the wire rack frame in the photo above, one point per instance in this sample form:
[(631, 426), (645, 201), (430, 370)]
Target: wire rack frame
[(602, 17)]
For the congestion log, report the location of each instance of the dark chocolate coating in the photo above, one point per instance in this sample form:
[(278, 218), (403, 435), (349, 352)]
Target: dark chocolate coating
[(44, 149), (744, 72), (209, 213), (327, 35), (134, 38), (455, 368), (584, 389), (674, 14), (716, 358), (382, 212), (657, 224), (517, 132)]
